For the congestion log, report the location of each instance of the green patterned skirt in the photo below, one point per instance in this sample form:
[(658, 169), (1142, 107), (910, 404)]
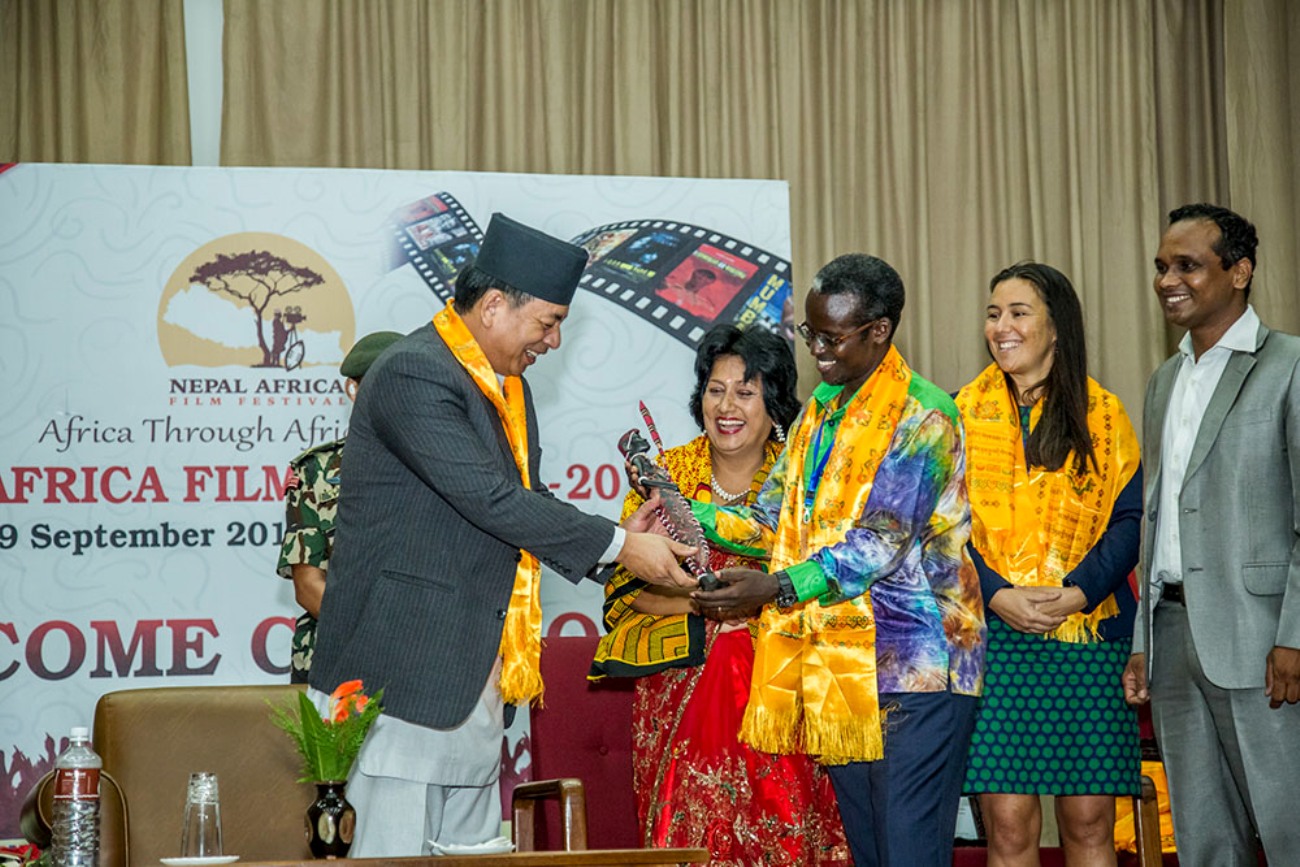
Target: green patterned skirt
[(1053, 720)]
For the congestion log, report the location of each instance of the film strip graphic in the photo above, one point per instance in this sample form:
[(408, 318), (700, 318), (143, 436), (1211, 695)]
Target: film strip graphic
[(684, 279), (439, 238), (681, 278)]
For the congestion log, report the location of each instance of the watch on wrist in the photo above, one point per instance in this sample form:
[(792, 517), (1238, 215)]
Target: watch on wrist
[(786, 595)]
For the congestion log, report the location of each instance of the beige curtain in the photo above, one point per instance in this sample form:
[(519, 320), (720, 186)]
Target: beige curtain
[(1191, 148), (1263, 142), (951, 138), (93, 82)]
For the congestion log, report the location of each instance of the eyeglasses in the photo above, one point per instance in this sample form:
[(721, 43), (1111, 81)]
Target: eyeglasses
[(830, 342)]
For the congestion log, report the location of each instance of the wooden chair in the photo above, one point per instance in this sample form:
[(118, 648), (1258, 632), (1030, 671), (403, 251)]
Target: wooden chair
[(581, 752), (1146, 820), (573, 813)]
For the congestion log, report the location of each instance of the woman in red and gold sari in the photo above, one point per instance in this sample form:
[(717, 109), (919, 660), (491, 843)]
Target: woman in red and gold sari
[(696, 784)]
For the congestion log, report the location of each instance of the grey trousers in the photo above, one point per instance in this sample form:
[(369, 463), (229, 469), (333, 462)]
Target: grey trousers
[(398, 818), (1233, 762)]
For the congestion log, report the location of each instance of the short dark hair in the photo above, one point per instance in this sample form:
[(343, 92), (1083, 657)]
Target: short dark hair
[(471, 284), (765, 354), (1237, 236), (873, 281), (1063, 427)]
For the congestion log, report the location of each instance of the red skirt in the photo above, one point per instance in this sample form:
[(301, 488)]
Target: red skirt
[(697, 785)]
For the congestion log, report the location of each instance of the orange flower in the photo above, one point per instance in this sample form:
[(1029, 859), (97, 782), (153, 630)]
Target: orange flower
[(346, 700), (345, 689), (352, 704)]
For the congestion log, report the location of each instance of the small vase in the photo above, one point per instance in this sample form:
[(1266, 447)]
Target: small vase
[(331, 821)]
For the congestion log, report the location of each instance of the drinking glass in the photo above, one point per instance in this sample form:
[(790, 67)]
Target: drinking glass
[(201, 837)]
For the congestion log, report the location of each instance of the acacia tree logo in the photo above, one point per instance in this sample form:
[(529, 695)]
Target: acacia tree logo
[(257, 277)]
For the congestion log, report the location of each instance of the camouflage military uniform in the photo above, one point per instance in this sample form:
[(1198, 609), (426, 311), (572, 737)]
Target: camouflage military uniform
[(310, 505)]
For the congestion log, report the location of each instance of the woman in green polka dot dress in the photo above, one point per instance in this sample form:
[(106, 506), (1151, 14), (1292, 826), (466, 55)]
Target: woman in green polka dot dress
[(1055, 483)]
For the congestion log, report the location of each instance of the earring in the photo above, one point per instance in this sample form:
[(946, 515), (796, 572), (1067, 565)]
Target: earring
[(779, 431)]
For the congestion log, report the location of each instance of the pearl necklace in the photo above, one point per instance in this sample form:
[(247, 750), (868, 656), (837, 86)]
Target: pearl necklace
[(721, 492)]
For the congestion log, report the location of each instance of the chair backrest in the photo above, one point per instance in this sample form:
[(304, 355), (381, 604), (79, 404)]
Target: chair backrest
[(152, 739), (585, 731)]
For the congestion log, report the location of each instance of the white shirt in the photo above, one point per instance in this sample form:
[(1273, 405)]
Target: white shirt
[(1194, 385)]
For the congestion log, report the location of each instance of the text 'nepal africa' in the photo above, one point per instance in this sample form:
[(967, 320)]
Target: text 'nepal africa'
[(268, 392)]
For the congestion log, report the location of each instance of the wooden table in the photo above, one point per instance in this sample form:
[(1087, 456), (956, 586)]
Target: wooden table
[(588, 858)]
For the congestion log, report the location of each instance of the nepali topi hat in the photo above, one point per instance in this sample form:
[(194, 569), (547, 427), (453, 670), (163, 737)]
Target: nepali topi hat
[(367, 349), (530, 260)]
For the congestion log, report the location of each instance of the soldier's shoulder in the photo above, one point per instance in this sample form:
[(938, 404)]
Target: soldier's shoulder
[(317, 454)]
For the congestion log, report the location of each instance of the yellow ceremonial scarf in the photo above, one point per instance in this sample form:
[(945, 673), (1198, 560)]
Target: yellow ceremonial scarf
[(641, 644), (814, 683), (521, 639), (1034, 526)]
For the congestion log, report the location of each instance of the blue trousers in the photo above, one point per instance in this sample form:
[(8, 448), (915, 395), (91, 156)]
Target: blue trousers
[(901, 811)]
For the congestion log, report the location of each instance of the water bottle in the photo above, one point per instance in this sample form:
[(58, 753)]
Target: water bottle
[(76, 803)]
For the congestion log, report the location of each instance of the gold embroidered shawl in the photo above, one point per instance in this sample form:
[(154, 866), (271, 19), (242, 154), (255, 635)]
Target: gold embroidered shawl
[(638, 643), (814, 685), (1034, 526)]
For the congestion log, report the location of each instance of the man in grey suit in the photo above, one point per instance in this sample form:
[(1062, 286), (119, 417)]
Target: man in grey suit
[(1218, 649), (442, 526)]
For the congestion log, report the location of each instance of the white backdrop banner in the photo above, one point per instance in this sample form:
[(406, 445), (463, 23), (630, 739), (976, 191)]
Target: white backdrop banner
[(170, 338)]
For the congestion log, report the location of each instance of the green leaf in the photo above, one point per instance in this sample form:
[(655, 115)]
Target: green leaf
[(328, 749)]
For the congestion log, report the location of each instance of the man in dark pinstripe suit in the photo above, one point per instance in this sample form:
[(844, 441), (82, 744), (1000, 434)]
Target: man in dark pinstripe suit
[(433, 544)]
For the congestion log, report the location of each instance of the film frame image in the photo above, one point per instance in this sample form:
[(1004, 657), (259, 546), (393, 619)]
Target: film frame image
[(684, 278), (439, 238), (706, 281), (680, 278)]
